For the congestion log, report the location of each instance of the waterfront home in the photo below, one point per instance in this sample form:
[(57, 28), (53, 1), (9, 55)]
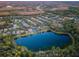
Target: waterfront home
[(30, 30)]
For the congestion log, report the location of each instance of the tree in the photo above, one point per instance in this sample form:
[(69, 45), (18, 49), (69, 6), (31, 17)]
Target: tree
[(69, 26), (9, 48)]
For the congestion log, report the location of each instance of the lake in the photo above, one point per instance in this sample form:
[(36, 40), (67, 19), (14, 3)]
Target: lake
[(43, 40)]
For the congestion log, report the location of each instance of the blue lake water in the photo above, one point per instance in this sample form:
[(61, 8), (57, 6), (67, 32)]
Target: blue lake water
[(43, 41)]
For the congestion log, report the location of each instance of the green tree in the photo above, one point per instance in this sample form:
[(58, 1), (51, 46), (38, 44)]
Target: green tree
[(69, 26), (8, 48)]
